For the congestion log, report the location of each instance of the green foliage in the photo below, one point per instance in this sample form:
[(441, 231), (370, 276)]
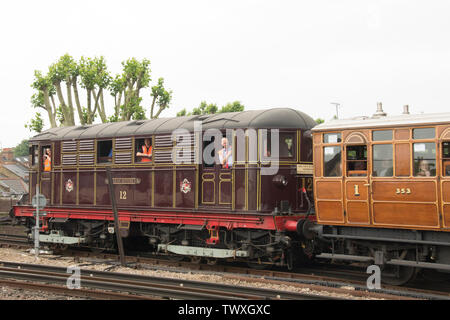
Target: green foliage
[(94, 73), (60, 71), (60, 115), (21, 149), (235, 106), (182, 113), (161, 96), (136, 72), (211, 108), (319, 120), (36, 124)]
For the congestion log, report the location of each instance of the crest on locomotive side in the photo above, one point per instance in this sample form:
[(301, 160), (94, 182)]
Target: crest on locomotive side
[(69, 185), (185, 186)]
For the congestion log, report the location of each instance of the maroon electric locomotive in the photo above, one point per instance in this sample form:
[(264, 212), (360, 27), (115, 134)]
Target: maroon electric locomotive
[(224, 186)]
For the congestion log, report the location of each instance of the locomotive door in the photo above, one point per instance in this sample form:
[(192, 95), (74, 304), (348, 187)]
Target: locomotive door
[(357, 205), (215, 188)]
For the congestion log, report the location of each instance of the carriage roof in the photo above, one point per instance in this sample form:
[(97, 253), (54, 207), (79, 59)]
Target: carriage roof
[(403, 120), (282, 118)]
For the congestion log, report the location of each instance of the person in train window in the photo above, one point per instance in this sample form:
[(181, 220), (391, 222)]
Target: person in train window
[(424, 168), (226, 154), (146, 153), (48, 160)]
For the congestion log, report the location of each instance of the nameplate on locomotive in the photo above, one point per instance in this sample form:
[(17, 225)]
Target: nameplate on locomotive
[(125, 181), (304, 168)]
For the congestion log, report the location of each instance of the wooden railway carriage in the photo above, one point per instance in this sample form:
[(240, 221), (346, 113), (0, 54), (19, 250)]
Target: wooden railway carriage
[(382, 191), (180, 207)]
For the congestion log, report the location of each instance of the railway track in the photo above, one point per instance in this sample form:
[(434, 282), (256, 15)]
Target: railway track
[(148, 287), (332, 279)]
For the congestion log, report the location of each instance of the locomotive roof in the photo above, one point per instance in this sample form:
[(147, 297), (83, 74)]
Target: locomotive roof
[(386, 121), (282, 118)]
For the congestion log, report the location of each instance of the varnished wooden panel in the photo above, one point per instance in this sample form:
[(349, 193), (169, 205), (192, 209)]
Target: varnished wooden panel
[(317, 161), (402, 134), (402, 159), (358, 212), (446, 215), (143, 190), (330, 211), (406, 214), (423, 191), (446, 191), (330, 190), (69, 194), (361, 189)]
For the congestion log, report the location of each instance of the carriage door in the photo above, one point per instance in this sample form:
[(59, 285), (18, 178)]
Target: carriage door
[(215, 179), (357, 204)]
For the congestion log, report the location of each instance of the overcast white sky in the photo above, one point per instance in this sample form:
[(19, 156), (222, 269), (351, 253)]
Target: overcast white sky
[(298, 54)]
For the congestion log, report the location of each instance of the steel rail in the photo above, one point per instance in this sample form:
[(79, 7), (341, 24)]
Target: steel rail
[(166, 287)]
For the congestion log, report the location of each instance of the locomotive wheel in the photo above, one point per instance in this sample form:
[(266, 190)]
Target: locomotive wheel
[(399, 275), (212, 261), (195, 259)]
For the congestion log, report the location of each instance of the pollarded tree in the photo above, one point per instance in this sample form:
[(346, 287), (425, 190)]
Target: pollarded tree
[(161, 97), (44, 97)]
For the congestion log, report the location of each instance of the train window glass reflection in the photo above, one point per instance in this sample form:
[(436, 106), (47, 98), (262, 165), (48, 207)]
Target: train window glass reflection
[(331, 138), (104, 151), (425, 159), (287, 145), (332, 161), (209, 159), (446, 158), (34, 153), (423, 133), (382, 135), (382, 160), (357, 161)]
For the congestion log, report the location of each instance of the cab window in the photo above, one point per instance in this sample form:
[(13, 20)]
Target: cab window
[(104, 151)]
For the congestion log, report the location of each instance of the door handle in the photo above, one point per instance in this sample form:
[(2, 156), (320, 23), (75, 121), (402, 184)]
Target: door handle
[(366, 184)]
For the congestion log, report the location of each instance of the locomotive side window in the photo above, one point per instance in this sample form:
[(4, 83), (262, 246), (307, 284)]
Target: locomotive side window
[(331, 138), (208, 148), (104, 151), (34, 153), (382, 135), (382, 161), (356, 161), (144, 150), (446, 158), (46, 161), (424, 159), (287, 145), (332, 161)]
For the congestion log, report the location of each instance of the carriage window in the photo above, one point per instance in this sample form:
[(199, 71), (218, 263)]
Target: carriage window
[(424, 159), (382, 135), (144, 150), (357, 161), (332, 161), (382, 160), (423, 133), (104, 151), (331, 138), (446, 158)]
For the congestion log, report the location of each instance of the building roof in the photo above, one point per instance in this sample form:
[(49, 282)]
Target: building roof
[(270, 118), (15, 186), (18, 170), (388, 121)]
